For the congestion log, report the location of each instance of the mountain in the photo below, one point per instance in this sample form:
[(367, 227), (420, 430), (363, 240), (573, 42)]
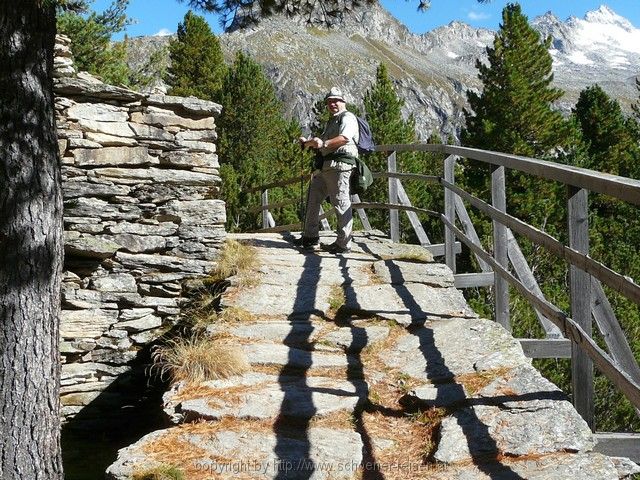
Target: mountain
[(304, 56)]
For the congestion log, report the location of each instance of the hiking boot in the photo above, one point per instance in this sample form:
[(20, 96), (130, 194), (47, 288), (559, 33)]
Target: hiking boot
[(335, 248), (306, 242)]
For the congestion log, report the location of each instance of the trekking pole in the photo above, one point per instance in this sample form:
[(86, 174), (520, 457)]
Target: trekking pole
[(302, 206)]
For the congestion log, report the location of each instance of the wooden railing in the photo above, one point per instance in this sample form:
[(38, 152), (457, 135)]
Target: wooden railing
[(567, 335)]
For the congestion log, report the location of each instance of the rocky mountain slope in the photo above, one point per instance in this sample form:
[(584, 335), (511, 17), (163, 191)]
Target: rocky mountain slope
[(432, 71)]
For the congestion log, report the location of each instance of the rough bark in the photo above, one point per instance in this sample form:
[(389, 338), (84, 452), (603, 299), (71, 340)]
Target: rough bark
[(30, 245)]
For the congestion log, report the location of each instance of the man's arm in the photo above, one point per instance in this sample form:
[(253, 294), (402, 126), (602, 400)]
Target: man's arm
[(331, 143)]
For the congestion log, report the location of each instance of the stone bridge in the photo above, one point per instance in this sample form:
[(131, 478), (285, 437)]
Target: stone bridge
[(368, 365)]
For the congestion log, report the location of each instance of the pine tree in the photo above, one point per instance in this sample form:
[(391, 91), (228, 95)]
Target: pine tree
[(383, 110), (197, 64), (611, 138), (636, 106), (514, 113), (253, 141), (90, 35)]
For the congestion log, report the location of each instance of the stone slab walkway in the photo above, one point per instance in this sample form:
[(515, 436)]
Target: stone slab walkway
[(368, 365)]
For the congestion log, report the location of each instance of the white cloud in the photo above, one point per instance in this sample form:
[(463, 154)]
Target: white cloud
[(478, 16), (164, 32)]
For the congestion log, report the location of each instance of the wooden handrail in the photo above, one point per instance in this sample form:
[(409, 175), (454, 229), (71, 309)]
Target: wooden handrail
[(281, 183), (618, 282), (623, 188)]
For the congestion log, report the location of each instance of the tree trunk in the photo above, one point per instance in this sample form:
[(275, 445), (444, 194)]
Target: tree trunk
[(30, 245)]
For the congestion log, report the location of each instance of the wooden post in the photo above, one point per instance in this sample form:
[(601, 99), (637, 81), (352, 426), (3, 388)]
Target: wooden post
[(394, 217), (580, 286), (355, 198), (265, 212), (500, 246), (449, 213)]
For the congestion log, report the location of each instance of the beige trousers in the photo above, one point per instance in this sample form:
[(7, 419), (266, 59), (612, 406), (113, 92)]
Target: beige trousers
[(331, 182)]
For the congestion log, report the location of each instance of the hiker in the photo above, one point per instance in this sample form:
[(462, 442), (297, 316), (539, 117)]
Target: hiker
[(335, 159)]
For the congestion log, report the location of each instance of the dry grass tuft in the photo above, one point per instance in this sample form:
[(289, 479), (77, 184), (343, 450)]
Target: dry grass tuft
[(198, 359), (200, 318), (236, 259), (235, 315), (341, 420), (474, 382), (336, 298), (163, 472), (413, 438)]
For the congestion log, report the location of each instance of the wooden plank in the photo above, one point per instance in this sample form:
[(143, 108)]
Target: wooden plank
[(323, 219), (281, 183), (603, 273), (412, 147), (546, 348), (396, 206), (626, 189), (570, 329), (437, 249), (407, 176), (469, 229), (580, 287), (270, 220), (500, 249), (355, 198), (524, 273), (619, 445), (394, 217), (611, 331), (449, 212), (292, 227), (470, 280), (265, 213), (413, 217), (272, 206)]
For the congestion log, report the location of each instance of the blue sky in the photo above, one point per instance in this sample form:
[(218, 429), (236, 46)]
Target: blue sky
[(164, 15)]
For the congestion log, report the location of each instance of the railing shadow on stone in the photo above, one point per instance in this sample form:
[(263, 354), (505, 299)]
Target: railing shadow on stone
[(566, 336)]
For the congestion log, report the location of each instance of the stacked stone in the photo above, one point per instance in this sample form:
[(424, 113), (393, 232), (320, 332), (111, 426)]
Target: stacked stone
[(63, 60), (141, 215)]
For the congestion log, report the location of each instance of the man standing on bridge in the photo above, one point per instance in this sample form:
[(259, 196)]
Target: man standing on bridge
[(337, 151)]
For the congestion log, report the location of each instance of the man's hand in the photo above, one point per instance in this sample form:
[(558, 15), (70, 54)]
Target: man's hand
[(314, 142)]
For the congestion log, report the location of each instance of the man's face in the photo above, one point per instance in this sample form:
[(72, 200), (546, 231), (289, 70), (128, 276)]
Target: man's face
[(335, 105)]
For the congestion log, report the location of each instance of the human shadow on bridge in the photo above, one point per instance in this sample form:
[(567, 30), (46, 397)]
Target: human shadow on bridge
[(294, 459), (296, 463)]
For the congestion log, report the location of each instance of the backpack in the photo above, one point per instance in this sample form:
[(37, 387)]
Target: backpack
[(361, 178), (365, 139)]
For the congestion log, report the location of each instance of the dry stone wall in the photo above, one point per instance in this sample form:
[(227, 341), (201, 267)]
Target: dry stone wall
[(141, 215)]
